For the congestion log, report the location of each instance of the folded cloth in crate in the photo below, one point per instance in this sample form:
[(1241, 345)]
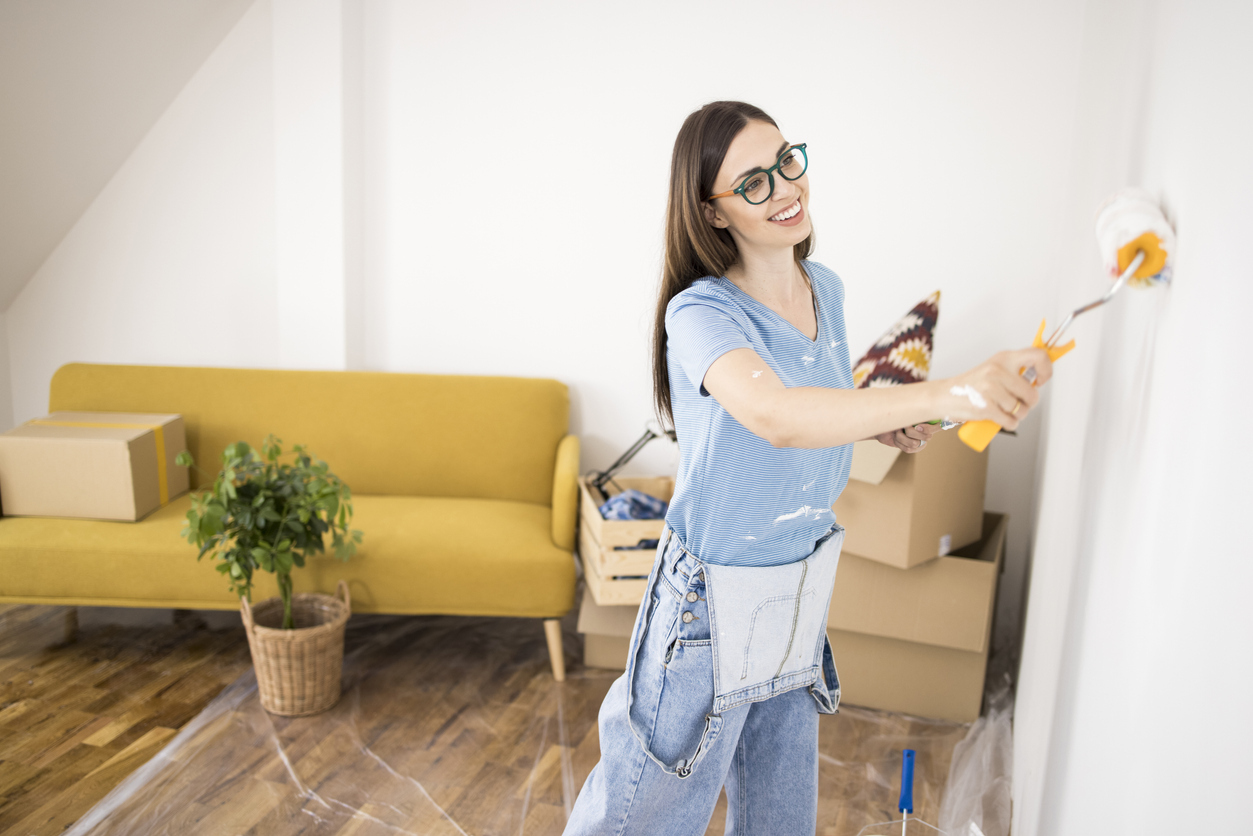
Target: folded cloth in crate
[(642, 544), (633, 505)]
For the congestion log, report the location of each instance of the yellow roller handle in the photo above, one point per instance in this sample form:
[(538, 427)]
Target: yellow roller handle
[(979, 434)]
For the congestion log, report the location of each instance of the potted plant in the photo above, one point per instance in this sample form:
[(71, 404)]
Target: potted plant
[(269, 514)]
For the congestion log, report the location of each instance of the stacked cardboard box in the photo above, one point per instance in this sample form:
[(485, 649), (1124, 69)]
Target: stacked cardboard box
[(614, 567), (903, 509), (606, 633), (916, 640), (911, 612)]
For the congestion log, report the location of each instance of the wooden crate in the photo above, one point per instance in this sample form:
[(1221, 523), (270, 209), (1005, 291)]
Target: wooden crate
[(611, 563), (608, 591), (603, 564), (612, 533)]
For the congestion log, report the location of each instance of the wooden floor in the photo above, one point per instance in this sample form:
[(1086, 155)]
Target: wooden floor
[(447, 726), (76, 718)]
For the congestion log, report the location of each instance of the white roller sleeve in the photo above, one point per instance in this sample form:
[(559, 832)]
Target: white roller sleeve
[(1125, 217)]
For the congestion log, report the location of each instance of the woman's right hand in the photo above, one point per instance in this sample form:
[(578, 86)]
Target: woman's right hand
[(995, 390)]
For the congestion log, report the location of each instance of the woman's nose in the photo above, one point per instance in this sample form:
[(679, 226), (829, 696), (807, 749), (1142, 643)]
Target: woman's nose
[(785, 190)]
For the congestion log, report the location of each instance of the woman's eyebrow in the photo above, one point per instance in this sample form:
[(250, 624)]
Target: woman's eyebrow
[(782, 148)]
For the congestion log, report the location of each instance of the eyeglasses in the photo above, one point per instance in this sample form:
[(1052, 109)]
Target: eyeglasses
[(757, 188)]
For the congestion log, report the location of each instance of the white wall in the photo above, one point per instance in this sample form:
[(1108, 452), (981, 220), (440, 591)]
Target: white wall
[(81, 82), (174, 261), (1132, 707), (6, 384), (527, 153), (512, 163)]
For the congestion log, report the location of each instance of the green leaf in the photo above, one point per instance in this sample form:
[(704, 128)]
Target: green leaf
[(184, 459)]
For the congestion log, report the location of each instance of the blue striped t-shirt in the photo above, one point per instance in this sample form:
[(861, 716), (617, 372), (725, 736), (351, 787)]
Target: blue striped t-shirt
[(739, 501)]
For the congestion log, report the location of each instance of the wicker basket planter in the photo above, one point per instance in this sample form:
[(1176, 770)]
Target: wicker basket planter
[(298, 671)]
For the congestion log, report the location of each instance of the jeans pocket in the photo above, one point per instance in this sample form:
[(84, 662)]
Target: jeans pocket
[(671, 689), (684, 725)]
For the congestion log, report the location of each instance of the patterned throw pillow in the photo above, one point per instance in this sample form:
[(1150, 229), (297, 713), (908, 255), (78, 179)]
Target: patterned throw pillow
[(903, 354)]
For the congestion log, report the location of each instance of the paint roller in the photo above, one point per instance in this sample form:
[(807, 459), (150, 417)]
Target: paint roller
[(905, 806), (1137, 245)]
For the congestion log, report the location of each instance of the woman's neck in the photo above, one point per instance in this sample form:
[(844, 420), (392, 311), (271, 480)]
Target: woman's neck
[(775, 280)]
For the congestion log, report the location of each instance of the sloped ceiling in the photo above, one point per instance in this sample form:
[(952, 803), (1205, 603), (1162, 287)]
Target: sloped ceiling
[(81, 83)]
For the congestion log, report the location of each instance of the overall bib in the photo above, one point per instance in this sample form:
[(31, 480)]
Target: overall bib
[(762, 629)]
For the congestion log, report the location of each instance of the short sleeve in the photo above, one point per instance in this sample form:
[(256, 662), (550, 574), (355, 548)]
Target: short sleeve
[(698, 332)]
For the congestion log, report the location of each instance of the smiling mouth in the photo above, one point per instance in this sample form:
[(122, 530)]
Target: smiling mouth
[(787, 213)]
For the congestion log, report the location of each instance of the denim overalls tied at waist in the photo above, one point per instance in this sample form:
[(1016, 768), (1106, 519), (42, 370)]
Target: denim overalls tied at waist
[(709, 638)]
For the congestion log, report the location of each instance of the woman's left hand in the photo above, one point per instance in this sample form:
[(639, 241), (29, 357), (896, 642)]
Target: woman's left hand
[(910, 439)]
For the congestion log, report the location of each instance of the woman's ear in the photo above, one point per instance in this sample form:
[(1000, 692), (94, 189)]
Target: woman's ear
[(712, 217)]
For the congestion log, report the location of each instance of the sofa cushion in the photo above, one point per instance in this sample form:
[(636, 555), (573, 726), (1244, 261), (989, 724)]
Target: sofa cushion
[(419, 555)]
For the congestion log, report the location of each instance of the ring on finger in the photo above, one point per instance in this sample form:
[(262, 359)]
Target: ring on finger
[(1016, 408)]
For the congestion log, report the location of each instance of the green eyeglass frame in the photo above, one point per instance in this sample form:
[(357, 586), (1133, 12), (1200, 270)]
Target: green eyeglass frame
[(769, 172)]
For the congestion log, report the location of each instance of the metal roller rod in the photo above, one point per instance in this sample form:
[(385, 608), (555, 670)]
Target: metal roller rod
[(1029, 374)]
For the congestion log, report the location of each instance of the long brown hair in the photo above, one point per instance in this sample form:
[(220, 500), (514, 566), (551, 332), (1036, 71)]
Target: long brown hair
[(694, 248)]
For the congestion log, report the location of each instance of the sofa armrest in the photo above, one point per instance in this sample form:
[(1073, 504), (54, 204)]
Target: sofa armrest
[(566, 493)]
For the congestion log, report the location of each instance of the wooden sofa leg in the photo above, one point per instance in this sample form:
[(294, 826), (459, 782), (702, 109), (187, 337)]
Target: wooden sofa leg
[(552, 630)]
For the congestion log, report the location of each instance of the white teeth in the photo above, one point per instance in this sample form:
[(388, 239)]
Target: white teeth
[(788, 212)]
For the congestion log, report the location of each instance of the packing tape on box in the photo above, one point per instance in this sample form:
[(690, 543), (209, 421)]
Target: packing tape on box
[(163, 479)]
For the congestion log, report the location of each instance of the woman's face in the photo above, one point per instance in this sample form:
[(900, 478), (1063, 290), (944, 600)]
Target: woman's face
[(779, 223)]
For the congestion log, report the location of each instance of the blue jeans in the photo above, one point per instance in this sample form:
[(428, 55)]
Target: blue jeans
[(694, 709)]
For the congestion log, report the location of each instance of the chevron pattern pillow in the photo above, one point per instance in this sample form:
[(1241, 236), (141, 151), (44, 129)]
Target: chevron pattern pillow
[(903, 353)]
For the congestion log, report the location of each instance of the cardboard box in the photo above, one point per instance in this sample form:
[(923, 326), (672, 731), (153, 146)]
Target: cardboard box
[(606, 633), (917, 679), (905, 509), (618, 576), (917, 640), (95, 465)]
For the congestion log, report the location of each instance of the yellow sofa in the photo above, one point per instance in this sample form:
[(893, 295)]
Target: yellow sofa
[(465, 488)]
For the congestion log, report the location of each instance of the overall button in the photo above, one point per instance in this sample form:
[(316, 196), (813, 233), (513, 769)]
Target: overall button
[(688, 618), (692, 597)]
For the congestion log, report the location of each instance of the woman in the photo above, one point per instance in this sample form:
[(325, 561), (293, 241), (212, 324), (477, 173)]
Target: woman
[(729, 666)]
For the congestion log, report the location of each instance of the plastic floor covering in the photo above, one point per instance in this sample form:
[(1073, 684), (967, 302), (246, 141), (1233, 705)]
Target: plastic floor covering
[(456, 726)]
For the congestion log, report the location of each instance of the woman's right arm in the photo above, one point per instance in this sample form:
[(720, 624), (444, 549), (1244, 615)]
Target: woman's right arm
[(813, 417)]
